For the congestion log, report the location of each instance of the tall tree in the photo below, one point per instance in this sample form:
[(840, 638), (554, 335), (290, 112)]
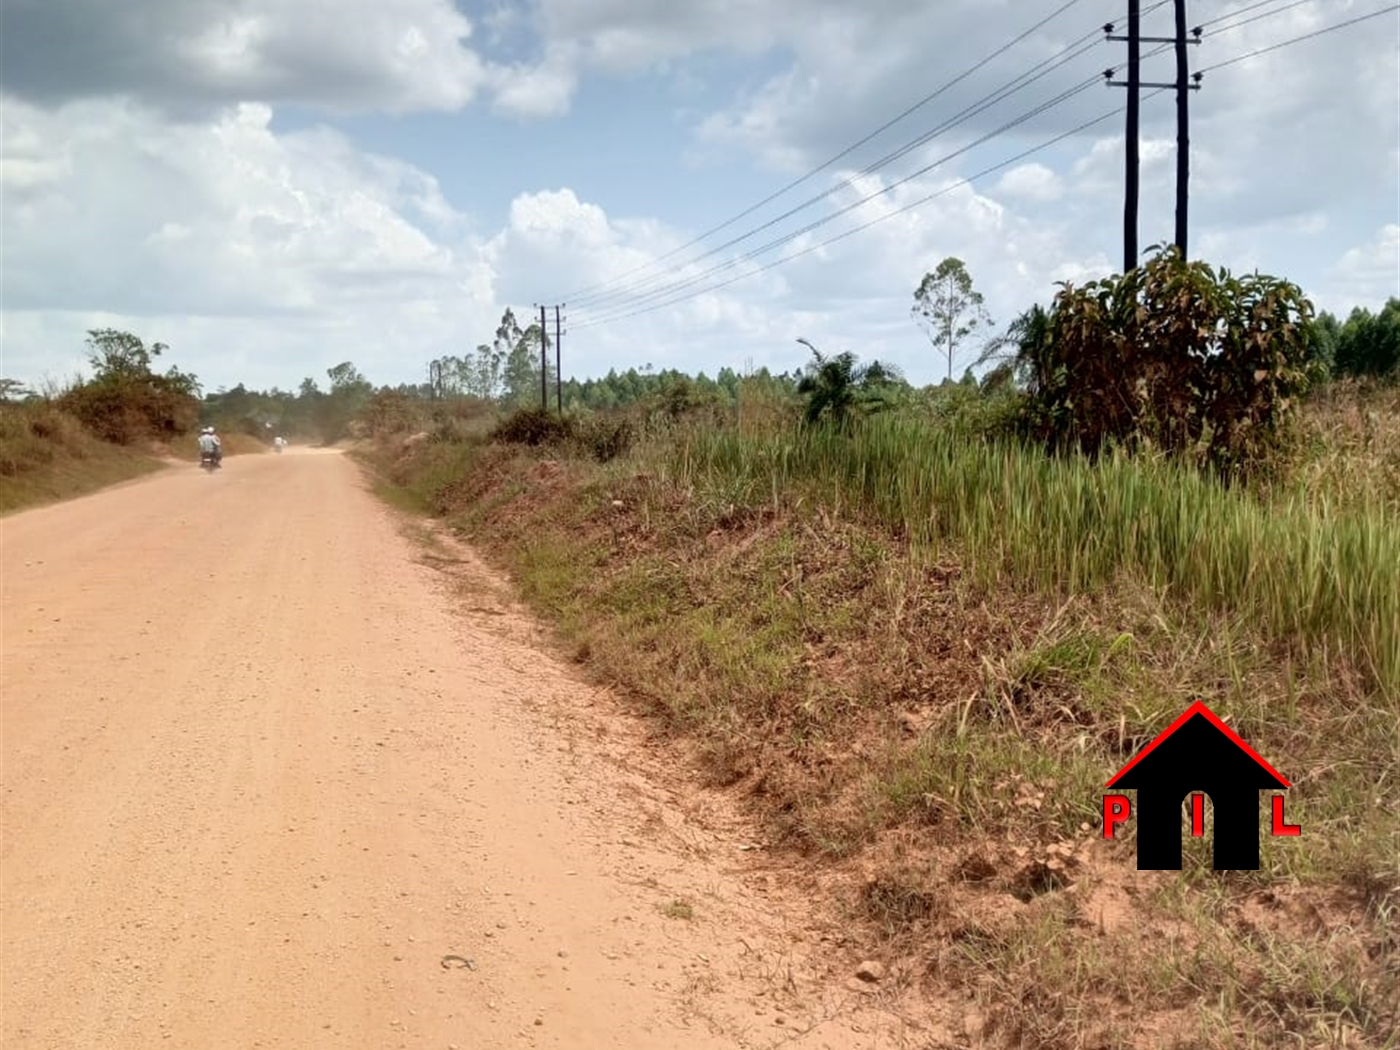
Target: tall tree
[(350, 392), (120, 355), (949, 308), (482, 375), (125, 400), (13, 390), (507, 334), (346, 377), (520, 376)]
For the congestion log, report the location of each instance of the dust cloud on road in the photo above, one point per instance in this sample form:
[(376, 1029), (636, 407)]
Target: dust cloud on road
[(275, 774)]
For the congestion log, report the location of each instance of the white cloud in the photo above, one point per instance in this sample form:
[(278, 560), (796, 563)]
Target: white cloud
[(340, 55), (1031, 182), (222, 218), (1366, 275), (247, 250), (261, 257), (155, 223), (542, 90)]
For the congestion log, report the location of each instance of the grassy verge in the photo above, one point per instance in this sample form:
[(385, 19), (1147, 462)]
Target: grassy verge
[(920, 658), (46, 455)]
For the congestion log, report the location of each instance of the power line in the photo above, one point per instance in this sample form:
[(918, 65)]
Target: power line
[(612, 295), (1234, 14), (968, 180), (694, 279), (878, 219), (817, 224), (656, 285), (1254, 18), (1300, 39), (1001, 94), (584, 292), (845, 152)]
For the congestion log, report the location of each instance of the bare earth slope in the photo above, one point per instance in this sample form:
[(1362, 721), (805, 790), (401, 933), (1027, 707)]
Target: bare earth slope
[(268, 770)]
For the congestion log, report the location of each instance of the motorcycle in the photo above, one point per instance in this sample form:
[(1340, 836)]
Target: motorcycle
[(210, 461)]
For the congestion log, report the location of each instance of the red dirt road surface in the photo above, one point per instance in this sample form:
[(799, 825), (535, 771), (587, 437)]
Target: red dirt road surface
[(277, 774)]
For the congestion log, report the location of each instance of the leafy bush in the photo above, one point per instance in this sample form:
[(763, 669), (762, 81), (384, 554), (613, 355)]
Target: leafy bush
[(605, 439), (335, 413), (596, 435), (533, 426), (391, 412), (1172, 355), (992, 411), (124, 411), (125, 401)]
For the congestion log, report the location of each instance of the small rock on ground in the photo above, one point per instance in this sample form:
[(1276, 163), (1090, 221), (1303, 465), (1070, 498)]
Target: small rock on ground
[(870, 971)]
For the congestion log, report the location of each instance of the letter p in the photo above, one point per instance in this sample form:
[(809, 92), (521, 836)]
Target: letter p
[(1116, 809)]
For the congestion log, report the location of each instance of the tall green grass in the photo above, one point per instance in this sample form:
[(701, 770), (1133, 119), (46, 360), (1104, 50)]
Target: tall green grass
[(1298, 567)]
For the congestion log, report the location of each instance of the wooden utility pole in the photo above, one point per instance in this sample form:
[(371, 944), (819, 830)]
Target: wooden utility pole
[(1184, 83), (544, 361), (1130, 193), (558, 363), (1134, 84)]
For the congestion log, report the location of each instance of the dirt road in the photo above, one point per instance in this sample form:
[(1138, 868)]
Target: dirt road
[(277, 776)]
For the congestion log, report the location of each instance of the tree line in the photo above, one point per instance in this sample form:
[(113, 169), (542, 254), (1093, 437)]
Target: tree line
[(507, 373), (1063, 347)]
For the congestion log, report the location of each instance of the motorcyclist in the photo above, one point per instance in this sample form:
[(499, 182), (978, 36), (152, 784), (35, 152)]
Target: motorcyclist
[(209, 444)]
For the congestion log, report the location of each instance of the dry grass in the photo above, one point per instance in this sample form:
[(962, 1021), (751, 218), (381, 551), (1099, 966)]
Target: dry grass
[(46, 455), (1349, 455), (679, 909)]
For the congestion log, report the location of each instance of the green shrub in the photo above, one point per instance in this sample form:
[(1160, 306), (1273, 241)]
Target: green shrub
[(125, 401), (124, 410), (1172, 356), (533, 426), (605, 439)]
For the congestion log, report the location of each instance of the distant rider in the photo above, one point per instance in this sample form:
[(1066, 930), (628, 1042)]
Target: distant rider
[(209, 444)]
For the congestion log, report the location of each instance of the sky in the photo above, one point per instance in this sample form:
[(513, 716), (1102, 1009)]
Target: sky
[(272, 187)]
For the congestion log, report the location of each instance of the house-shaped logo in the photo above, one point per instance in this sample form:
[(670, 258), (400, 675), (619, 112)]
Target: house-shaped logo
[(1196, 753)]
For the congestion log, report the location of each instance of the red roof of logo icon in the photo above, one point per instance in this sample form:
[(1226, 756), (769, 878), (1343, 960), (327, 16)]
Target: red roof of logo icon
[(1199, 708)]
